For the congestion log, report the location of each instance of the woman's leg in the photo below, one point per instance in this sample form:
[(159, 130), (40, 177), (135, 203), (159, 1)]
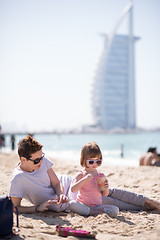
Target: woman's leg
[(136, 200), (121, 204), (152, 204), (127, 196), (58, 207), (67, 182), (125, 200)]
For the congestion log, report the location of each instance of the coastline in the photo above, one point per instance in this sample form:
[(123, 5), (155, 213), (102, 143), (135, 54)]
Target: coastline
[(128, 225)]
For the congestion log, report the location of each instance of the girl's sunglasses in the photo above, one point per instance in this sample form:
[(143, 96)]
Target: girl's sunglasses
[(37, 160), (91, 161)]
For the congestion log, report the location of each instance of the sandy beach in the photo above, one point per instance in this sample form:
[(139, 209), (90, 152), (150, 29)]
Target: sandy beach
[(128, 225)]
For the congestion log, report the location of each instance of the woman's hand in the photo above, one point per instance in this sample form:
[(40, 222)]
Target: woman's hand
[(44, 206), (62, 199)]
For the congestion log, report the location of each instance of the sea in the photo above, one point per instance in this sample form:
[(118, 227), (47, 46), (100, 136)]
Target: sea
[(118, 149)]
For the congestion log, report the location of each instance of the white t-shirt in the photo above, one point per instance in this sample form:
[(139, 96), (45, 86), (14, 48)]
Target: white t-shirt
[(33, 186)]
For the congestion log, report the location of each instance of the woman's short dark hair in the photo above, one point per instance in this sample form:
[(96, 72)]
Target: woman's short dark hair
[(28, 146)]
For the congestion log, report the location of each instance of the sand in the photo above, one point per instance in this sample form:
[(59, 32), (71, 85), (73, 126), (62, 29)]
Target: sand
[(128, 225)]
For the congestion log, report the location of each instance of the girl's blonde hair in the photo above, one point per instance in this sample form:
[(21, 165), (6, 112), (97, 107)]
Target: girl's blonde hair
[(90, 150)]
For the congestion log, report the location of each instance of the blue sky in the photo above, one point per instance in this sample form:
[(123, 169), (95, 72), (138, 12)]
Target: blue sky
[(48, 53)]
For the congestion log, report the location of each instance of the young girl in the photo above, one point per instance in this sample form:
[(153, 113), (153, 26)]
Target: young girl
[(89, 197)]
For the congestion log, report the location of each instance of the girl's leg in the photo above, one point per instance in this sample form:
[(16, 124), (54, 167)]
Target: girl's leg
[(85, 210), (111, 210), (80, 208)]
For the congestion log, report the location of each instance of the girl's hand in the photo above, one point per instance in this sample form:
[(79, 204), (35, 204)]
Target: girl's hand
[(106, 184), (106, 191), (89, 177)]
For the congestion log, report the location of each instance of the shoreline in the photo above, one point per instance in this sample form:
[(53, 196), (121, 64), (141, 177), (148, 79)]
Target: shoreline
[(74, 157)]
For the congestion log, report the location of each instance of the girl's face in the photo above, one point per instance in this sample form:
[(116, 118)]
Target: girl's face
[(93, 162)]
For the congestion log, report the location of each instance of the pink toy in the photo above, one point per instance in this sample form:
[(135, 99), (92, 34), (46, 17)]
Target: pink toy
[(68, 231)]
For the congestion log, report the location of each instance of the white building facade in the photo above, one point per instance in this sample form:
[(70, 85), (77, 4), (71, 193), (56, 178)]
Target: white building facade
[(113, 87)]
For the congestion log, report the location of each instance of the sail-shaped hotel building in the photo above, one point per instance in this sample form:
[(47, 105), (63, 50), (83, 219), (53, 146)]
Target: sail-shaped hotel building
[(113, 86)]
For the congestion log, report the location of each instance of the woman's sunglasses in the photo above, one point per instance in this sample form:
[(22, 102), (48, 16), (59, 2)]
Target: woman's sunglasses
[(37, 160), (91, 161)]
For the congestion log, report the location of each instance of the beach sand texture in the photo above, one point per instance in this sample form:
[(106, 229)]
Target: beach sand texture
[(128, 225)]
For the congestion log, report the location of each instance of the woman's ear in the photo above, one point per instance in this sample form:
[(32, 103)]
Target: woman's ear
[(23, 159)]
